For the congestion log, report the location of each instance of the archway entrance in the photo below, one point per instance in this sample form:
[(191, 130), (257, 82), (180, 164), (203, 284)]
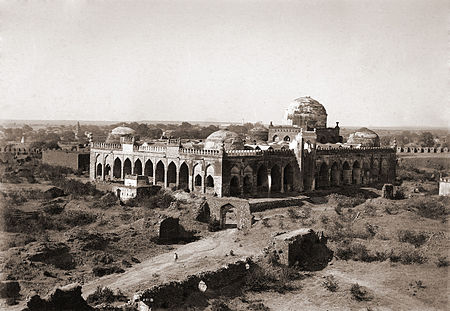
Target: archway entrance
[(288, 178), (275, 184), (184, 176), (209, 182), (126, 167), (356, 173), (346, 173), (335, 178), (159, 178), (247, 184), (228, 216), (117, 169), (99, 170), (148, 168), (323, 176), (234, 186), (138, 167), (198, 180), (107, 170), (171, 174), (261, 179)]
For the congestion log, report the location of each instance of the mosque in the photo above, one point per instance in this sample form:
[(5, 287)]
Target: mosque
[(302, 154)]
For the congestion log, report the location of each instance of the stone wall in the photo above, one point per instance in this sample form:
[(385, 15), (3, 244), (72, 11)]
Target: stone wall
[(418, 149), (73, 159), (220, 206)]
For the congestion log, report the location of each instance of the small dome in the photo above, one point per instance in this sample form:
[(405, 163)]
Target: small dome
[(230, 140), (306, 112), (122, 130), (364, 137)]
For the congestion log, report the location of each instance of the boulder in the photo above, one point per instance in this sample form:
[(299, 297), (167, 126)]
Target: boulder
[(9, 289), (388, 191), (67, 298)]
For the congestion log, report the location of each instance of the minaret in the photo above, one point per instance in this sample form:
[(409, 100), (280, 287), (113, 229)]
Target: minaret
[(77, 130)]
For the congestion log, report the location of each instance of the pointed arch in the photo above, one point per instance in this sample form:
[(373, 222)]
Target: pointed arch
[(148, 168), (288, 177), (138, 167), (261, 179), (198, 180), (183, 176), (356, 173), (335, 175), (117, 168), (323, 181), (127, 167), (171, 173), (209, 181), (99, 169), (235, 189), (159, 178), (275, 174)]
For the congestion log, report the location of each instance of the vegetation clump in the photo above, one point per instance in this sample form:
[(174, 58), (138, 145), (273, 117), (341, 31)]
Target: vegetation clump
[(415, 238), (360, 293), (105, 295)]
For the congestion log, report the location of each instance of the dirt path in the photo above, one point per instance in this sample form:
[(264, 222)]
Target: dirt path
[(207, 254)]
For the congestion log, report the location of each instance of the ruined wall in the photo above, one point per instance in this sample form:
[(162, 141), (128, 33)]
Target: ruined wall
[(72, 159), (219, 206), (418, 149)]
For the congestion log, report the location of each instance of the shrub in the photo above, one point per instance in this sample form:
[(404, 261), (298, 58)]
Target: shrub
[(106, 201), (415, 238), (213, 225), (105, 295), (429, 207), (343, 201), (266, 276), (258, 306), (75, 187), (330, 283), (266, 223), (160, 200), (219, 305), (442, 262), (53, 209), (293, 213), (408, 257), (324, 219), (358, 252), (77, 218), (360, 293), (101, 271), (399, 194)]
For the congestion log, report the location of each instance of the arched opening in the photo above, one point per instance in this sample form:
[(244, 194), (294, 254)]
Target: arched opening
[(228, 216), (261, 179), (99, 170), (346, 173), (275, 184), (159, 178), (234, 186), (275, 138), (171, 174), (184, 176), (366, 174), (288, 178), (107, 170), (323, 176), (127, 167), (375, 170), (247, 184), (138, 167), (356, 173), (335, 178), (148, 168), (287, 138), (117, 169), (198, 180), (384, 170), (209, 182)]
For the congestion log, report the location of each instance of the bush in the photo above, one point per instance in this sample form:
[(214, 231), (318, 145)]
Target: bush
[(358, 252), (399, 194), (219, 305), (266, 223), (342, 201), (213, 225), (101, 271), (105, 295), (266, 276), (106, 201), (160, 200), (408, 257), (330, 283), (53, 209), (360, 293), (78, 218), (415, 238), (442, 262), (75, 187), (430, 207)]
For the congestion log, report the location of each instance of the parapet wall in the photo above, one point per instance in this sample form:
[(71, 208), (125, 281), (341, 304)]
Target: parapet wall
[(252, 153), (418, 149), (342, 150), (173, 295)]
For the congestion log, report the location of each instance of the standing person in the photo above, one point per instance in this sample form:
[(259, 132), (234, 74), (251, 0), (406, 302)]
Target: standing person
[(175, 257)]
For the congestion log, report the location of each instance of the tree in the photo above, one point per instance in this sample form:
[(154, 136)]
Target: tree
[(427, 139)]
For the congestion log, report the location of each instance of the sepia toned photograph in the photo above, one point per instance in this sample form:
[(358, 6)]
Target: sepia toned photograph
[(224, 155)]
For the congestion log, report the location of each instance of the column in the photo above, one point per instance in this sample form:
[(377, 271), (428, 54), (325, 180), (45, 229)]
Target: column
[(103, 171), (154, 172), (282, 180), (165, 176), (177, 182), (190, 182), (269, 181)]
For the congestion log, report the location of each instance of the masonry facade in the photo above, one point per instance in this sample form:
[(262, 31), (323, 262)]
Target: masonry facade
[(312, 157)]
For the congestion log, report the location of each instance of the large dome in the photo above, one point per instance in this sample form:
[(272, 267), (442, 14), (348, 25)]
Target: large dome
[(229, 140), (306, 112), (364, 137), (122, 131)]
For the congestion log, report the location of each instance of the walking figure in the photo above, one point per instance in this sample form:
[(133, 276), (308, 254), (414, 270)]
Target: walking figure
[(175, 256)]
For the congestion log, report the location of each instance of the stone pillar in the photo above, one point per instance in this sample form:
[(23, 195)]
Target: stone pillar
[(203, 182), (103, 171), (269, 181), (190, 182), (282, 180), (165, 176), (154, 172), (177, 182)]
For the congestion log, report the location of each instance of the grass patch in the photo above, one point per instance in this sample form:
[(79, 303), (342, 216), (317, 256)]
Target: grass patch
[(415, 238)]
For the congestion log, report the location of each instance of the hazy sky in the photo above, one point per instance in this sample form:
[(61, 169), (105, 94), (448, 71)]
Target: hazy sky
[(372, 63)]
